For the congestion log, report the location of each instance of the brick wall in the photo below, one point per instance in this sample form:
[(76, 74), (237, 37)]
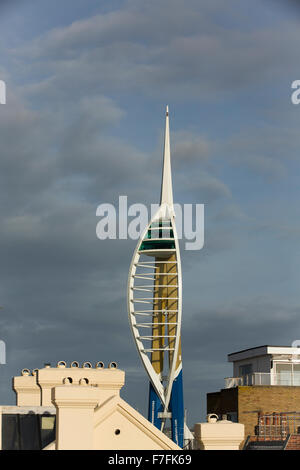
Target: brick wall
[(266, 399), (248, 401)]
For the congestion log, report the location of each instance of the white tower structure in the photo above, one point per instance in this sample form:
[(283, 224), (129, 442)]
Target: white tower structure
[(155, 307)]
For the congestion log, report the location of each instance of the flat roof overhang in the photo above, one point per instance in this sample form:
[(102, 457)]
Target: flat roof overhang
[(262, 351)]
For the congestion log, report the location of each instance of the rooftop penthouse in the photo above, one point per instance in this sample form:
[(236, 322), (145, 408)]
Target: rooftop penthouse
[(265, 365)]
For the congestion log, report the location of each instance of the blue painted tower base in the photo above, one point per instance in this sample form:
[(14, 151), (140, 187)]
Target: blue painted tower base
[(175, 407)]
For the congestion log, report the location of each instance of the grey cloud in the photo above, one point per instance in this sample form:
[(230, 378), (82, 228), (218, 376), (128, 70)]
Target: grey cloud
[(202, 186), (266, 151), (188, 148), (265, 165), (150, 50)]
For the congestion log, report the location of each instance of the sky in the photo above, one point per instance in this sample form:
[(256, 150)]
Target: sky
[(87, 85)]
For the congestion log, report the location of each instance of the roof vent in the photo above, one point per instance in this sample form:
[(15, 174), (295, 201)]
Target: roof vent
[(61, 364), (87, 365)]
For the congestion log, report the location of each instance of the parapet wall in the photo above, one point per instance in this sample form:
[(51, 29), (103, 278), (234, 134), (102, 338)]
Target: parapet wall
[(34, 388)]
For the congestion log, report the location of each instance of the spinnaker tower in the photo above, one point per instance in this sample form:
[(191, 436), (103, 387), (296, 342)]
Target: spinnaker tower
[(155, 308)]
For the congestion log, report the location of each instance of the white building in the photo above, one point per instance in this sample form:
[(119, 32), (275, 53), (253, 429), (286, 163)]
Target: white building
[(265, 365)]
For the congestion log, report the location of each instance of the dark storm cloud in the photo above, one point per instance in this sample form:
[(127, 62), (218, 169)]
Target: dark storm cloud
[(146, 48)]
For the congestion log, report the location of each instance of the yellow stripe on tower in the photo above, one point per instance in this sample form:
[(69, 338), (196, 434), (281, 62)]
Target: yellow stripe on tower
[(161, 316)]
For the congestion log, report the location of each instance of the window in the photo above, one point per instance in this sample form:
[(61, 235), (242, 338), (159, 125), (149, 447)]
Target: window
[(27, 431), (245, 369), (287, 374), (296, 377), (283, 374)]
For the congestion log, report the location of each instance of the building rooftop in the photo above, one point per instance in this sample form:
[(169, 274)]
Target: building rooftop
[(261, 351)]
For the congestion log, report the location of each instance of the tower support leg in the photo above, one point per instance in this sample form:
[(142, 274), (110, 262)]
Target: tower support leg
[(177, 410), (155, 407)]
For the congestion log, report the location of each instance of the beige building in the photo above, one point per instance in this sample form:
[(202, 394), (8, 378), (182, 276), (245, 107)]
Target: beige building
[(76, 408), (80, 408), (218, 434)]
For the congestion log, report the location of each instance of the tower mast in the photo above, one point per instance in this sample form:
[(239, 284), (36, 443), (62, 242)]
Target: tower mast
[(166, 195)]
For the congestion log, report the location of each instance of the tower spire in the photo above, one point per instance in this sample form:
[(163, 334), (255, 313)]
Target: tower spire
[(166, 195)]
